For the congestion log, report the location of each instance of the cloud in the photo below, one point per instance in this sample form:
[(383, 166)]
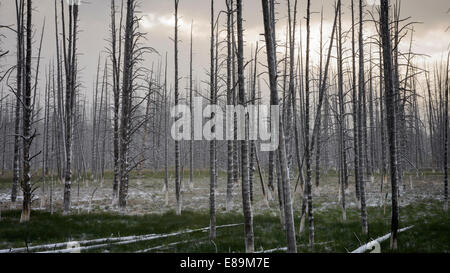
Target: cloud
[(166, 22)]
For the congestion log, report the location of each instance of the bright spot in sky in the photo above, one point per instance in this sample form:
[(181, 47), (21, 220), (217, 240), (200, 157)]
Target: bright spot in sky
[(148, 21), (165, 21)]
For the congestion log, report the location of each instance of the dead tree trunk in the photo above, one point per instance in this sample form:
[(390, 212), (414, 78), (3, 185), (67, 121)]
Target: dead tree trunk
[(446, 139), (115, 56), (191, 94), (361, 122), (319, 107), (318, 137), (355, 111), (391, 113), (19, 84), (166, 139), (230, 146), (27, 120), (382, 125), (177, 143), (307, 129), (212, 144), (341, 117), (70, 65), (274, 100), (127, 91), (246, 203)]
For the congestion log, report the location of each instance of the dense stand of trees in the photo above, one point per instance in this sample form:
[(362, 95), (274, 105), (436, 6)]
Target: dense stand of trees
[(359, 110)]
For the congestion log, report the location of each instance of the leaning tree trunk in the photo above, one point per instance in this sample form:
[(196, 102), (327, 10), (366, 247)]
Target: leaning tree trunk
[(274, 100), (246, 203)]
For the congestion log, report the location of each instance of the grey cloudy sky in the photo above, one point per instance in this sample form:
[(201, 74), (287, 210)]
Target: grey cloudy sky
[(431, 37)]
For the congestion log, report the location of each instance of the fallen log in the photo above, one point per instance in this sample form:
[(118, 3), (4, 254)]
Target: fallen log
[(103, 242), (137, 239), (369, 245)]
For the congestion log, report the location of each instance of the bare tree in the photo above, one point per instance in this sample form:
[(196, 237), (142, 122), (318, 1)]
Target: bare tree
[(274, 100), (27, 112), (230, 88), (361, 122), (166, 139), (341, 117), (316, 128), (177, 143), (307, 127), (246, 203), (446, 138), (127, 94), (19, 83), (355, 112), (70, 64), (28, 103), (191, 94), (212, 144), (115, 53)]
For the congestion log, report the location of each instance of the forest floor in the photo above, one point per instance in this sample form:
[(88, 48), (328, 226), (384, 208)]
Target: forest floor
[(95, 217)]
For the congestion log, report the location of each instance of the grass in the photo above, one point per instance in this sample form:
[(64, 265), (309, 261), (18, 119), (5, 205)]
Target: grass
[(431, 232), (420, 207)]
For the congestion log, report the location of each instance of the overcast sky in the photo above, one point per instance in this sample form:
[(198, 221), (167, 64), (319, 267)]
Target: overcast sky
[(431, 37)]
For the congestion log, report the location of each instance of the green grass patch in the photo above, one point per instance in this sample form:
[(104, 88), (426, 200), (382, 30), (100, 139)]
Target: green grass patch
[(431, 232)]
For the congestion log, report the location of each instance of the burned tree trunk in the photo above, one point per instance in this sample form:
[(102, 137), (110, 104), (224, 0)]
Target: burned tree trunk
[(307, 129), (212, 144), (115, 56), (341, 117), (191, 94), (391, 114), (230, 146), (27, 120), (355, 112), (70, 65), (283, 169), (361, 122), (19, 84), (446, 139), (177, 143), (127, 91), (166, 139), (246, 203)]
